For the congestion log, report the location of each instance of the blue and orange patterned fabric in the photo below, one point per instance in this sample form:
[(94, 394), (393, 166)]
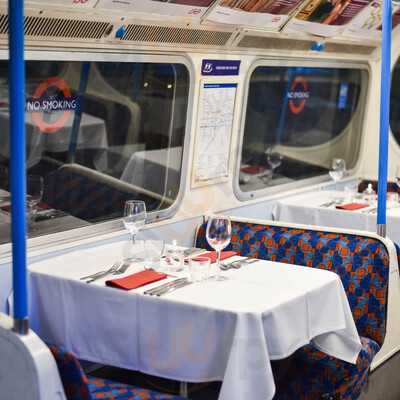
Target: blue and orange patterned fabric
[(78, 386), (363, 266), (361, 262), (83, 197), (333, 377), (391, 186)]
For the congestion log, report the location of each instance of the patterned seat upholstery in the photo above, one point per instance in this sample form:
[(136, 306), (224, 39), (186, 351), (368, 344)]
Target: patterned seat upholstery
[(391, 186), (78, 386), (69, 189), (363, 265)]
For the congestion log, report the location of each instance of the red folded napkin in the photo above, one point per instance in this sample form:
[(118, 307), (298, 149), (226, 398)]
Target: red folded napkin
[(351, 206), (253, 169), (212, 255), (136, 280)]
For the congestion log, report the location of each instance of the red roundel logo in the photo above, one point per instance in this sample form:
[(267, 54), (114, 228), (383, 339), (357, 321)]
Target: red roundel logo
[(41, 103), (298, 95)]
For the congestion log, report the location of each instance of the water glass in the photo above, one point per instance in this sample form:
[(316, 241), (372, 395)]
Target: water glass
[(199, 269), (154, 249), (174, 257)]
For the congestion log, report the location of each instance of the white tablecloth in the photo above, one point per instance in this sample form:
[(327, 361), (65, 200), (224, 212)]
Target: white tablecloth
[(92, 135), (226, 331), (156, 170), (306, 209)]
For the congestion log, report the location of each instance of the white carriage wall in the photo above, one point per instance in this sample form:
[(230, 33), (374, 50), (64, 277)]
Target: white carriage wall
[(369, 168), (56, 29)]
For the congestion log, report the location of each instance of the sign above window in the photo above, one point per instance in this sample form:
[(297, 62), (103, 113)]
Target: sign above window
[(220, 67)]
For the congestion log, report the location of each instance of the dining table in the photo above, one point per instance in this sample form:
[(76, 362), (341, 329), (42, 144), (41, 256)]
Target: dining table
[(158, 171), (92, 134), (226, 331), (339, 209)]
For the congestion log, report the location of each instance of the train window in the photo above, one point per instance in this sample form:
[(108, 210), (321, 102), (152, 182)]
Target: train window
[(297, 120), (395, 103), (98, 134)]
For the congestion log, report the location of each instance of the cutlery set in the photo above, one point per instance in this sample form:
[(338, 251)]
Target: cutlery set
[(121, 267), (237, 264), (117, 268), (168, 287)]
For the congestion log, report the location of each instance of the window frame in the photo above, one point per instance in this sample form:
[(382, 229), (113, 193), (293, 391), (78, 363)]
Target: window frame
[(396, 60), (287, 62), (73, 235)]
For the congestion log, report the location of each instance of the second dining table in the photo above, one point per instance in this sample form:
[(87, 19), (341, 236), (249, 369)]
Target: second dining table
[(227, 331), (319, 208)]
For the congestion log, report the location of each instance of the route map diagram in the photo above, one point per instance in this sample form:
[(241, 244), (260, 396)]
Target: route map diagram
[(217, 108)]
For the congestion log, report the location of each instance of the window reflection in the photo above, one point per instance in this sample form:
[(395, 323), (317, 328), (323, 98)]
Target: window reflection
[(297, 120), (98, 133)]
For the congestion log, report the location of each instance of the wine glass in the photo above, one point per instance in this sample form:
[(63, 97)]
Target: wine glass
[(397, 177), (218, 235), (134, 218), (34, 190), (274, 158), (337, 170)]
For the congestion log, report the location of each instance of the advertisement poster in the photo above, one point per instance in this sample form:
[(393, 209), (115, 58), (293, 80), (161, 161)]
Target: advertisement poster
[(265, 14), (77, 4), (367, 23), (325, 17), (174, 8)]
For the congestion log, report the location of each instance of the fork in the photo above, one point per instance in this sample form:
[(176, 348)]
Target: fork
[(115, 267), (237, 264)]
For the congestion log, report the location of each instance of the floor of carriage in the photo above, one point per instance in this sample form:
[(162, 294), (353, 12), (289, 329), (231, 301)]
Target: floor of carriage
[(384, 383)]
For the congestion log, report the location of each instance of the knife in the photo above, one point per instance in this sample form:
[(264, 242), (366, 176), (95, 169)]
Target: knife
[(173, 288), (153, 291)]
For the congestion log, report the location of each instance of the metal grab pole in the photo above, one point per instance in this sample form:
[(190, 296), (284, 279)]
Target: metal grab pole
[(18, 163), (384, 115)]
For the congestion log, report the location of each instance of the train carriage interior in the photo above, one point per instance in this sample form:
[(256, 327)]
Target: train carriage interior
[(199, 199)]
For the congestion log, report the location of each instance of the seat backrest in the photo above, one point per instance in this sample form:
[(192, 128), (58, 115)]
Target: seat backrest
[(91, 195), (74, 380), (391, 186), (362, 263)]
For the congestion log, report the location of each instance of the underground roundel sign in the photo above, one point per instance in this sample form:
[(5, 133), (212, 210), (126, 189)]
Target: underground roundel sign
[(51, 105), (298, 95)]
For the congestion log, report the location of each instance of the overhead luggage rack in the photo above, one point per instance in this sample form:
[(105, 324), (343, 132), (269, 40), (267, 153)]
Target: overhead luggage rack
[(44, 27), (266, 42), (52, 26), (176, 35)]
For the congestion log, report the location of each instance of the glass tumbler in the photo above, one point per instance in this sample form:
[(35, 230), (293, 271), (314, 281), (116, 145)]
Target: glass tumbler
[(199, 269)]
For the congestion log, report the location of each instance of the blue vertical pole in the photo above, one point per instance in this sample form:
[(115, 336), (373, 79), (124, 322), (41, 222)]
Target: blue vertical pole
[(18, 159), (384, 115)]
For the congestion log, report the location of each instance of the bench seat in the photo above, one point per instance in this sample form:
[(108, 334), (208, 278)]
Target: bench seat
[(362, 262)]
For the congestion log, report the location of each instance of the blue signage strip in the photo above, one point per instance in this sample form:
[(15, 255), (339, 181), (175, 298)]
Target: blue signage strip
[(220, 67), (219, 85)]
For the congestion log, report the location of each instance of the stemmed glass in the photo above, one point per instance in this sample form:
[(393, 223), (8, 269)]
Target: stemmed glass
[(218, 235), (134, 217), (274, 158), (34, 189), (397, 177), (337, 170)]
